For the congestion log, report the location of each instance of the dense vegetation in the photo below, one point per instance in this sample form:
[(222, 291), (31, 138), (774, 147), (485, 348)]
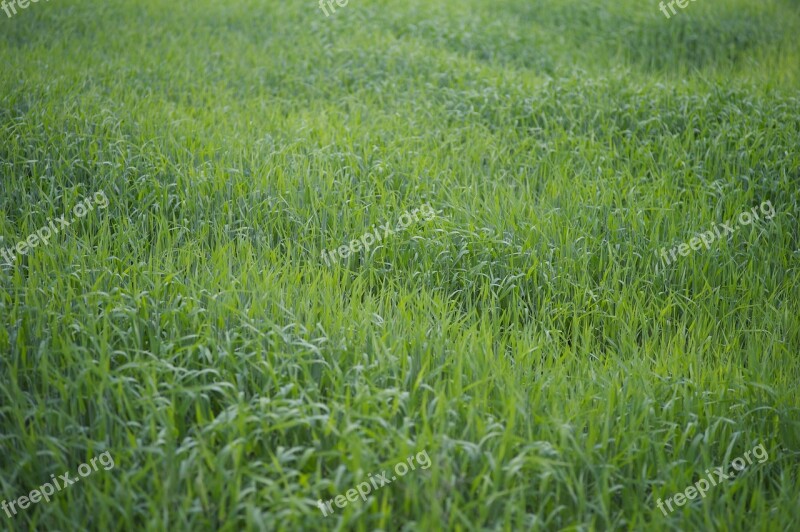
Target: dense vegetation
[(528, 337)]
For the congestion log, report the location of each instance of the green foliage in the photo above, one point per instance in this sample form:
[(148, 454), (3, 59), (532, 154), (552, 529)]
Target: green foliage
[(528, 337)]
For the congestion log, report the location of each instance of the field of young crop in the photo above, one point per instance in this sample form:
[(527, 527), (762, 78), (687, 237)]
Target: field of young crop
[(400, 265)]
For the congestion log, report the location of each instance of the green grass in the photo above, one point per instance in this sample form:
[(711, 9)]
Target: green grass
[(528, 338)]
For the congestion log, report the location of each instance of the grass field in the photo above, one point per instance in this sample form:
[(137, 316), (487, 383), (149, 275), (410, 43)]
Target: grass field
[(527, 337)]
